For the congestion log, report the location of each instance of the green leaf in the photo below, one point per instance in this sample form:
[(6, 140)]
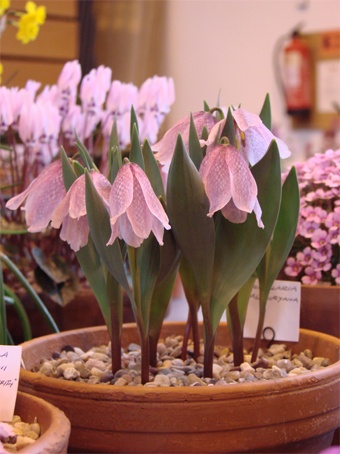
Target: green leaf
[(95, 273), (195, 149), (133, 122), (265, 114), (229, 128), (115, 163), (194, 233), (243, 296), (99, 222), (152, 170), (39, 304), (85, 155), (240, 247), (21, 313), (69, 175), (284, 233), (189, 283), (114, 154), (148, 264), (136, 154), (206, 107)]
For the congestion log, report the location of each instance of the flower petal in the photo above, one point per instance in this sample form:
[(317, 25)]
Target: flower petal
[(121, 193), (165, 147), (42, 197), (242, 183), (233, 214), (75, 232), (216, 178), (245, 119), (151, 200)]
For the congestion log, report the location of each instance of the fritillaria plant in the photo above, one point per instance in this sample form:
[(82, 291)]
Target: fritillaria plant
[(221, 219)]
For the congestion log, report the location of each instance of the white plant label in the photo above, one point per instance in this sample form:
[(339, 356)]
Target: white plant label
[(282, 317), (10, 360)]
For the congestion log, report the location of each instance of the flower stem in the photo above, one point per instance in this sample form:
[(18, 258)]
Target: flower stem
[(236, 332), (145, 360)]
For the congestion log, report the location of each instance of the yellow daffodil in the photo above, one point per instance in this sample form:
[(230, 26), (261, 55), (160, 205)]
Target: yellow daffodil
[(29, 22), (4, 5)]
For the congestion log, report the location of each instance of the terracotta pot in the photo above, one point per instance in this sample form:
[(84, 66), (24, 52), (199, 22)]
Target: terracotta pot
[(320, 308), (55, 427), (295, 414)]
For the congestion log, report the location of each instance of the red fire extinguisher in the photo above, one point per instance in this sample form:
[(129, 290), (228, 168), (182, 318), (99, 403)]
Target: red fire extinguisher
[(297, 77)]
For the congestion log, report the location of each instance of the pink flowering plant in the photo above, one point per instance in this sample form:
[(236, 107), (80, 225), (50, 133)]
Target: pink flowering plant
[(35, 122), (314, 258), (205, 201)]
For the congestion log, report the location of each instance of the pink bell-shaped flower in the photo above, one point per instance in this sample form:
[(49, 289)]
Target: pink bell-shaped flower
[(41, 197), (71, 212), (256, 137), (165, 147), (135, 210), (229, 184)]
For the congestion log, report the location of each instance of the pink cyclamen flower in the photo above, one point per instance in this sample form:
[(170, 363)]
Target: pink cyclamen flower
[(165, 147), (257, 137), (135, 210), (41, 197), (229, 184), (71, 212)]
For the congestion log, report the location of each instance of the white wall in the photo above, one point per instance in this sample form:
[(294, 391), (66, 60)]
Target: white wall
[(228, 45)]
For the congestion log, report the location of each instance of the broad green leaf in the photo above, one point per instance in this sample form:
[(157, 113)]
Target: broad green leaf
[(95, 273), (243, 296), (148, 264), (265, 114), (152, 170), (159, 304), (240, 247), (195, 149), (188, 206), (189, 284), (99, 222), (284, 233)]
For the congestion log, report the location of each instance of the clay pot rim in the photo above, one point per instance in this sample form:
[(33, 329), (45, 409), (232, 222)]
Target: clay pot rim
[(316, 379), (59, 429)]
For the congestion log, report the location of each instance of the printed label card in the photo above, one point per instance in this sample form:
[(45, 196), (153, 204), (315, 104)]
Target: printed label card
[(10, 360), (282, 311)]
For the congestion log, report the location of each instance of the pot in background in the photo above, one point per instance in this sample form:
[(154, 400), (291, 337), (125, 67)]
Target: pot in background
[(54, 425)]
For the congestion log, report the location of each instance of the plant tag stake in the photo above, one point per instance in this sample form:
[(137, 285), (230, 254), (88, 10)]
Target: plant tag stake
[(10, 358), (282, 311)]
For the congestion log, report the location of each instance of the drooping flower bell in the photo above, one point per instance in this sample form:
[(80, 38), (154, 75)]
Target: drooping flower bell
[(255, 137), (71, 212), (164, 149), (41, 197), (229, 184), (135, 210)]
